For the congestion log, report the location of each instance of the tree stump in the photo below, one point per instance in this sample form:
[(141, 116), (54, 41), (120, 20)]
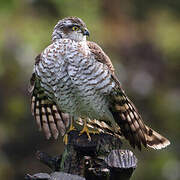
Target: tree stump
[(100, 158)]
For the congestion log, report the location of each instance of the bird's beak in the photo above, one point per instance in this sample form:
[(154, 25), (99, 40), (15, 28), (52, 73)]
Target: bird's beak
[(86, 32)]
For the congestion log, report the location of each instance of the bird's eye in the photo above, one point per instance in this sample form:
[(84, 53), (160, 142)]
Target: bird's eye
[(75, 28)]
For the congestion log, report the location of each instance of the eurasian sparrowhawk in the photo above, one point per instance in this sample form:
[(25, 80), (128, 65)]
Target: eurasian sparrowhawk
[(74, 78)]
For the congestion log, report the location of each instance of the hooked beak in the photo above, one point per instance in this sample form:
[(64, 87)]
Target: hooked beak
[(86, 32)]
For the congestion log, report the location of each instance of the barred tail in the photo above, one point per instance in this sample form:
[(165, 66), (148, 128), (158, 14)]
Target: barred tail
[(155, 140), (131, 123)]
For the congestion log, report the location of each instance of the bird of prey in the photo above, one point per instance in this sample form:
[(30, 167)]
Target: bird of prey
[(74, 79)]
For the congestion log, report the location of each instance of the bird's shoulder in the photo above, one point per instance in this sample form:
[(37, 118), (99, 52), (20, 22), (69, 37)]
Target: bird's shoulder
[(100, 55)]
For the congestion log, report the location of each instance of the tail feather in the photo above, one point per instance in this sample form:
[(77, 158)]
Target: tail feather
[(155, 140), (131, 123)]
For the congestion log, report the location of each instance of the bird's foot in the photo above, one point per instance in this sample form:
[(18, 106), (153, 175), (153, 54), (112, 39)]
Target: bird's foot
[(87, 131), (65, 138), (71, 128)]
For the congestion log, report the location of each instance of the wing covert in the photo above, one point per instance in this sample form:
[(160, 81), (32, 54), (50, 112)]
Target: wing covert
[(48, 116)]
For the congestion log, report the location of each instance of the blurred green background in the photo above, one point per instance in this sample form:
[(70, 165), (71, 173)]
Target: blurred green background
[(141, 37)]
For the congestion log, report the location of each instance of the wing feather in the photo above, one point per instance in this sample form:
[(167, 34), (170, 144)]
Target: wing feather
[(125, 113), (47, 115)]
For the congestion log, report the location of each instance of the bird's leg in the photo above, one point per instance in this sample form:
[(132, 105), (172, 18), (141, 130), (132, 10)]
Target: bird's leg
[(87, 131), (71, 128)]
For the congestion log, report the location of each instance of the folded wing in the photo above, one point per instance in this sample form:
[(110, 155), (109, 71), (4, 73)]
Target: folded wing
[(125, 113), (48, 116)]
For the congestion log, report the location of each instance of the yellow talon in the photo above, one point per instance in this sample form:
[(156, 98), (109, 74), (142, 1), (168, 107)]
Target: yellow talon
[(87, 131)]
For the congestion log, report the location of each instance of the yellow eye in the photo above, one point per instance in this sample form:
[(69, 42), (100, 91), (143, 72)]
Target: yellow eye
[(75, 28)]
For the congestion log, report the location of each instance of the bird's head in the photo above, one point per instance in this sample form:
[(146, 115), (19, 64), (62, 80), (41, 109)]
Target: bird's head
[(71, 28)]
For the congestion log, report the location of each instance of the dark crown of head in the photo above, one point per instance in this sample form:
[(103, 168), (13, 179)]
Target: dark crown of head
[(74, 20)]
